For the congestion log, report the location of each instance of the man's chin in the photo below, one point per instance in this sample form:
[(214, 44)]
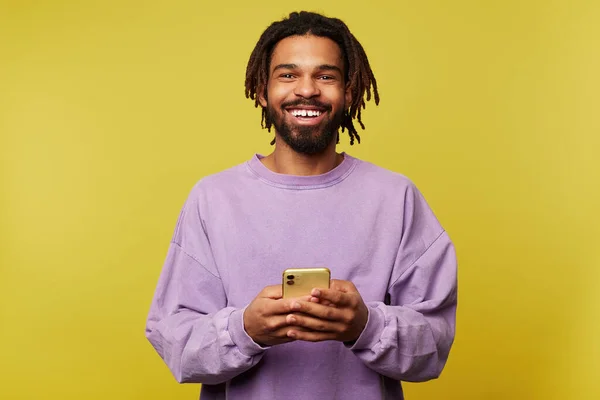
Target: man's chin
[(309, 145), (306, 137)]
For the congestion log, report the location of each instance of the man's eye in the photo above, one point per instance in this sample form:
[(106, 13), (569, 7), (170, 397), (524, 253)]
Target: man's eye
[(287, 76), (326, 77)]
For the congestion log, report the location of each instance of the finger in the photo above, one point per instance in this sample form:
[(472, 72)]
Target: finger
[(309, 336), (319, 311), (280, 306), (334, 296), (279, 336), (282, 332), (321, 301), (314, 324), (274, 323)]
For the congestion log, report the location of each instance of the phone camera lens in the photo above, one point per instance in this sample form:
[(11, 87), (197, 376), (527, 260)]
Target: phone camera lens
[(290, 282), (290, 276)]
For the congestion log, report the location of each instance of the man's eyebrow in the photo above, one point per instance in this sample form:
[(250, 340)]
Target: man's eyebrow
[(285, 66), (323, 67), (327, 67)]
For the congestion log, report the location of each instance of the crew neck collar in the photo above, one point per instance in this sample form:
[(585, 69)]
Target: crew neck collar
[(329, 178)]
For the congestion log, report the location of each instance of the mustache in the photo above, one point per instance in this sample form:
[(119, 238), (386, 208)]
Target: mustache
[(306, 103)]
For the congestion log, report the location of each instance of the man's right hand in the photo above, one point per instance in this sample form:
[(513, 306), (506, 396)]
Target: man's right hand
[(265, 317)]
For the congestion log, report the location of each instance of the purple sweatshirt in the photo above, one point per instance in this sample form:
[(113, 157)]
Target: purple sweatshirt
[(237, 232)]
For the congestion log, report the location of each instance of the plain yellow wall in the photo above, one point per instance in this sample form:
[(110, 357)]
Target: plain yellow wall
[(111, 110)]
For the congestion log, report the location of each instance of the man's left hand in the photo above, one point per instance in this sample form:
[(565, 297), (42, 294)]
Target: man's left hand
[(338, 313)]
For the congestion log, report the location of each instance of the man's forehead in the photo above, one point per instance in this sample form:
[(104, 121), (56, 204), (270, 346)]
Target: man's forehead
[(306, 51)]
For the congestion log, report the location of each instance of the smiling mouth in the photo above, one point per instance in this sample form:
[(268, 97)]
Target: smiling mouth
[(307, 116), (301, 112)]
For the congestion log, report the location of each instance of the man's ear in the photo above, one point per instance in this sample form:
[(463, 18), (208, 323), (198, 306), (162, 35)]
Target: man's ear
[(262, 96), (348, 96)]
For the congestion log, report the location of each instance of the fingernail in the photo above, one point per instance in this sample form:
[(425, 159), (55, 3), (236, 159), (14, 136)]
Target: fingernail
[(315, 292), (291, 334), (291, 319), (296, 305)]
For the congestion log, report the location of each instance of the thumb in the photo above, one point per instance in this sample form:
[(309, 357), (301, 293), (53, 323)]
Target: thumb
[(272, 292)]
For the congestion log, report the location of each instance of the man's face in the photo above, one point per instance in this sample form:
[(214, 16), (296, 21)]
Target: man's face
[(306, 92)]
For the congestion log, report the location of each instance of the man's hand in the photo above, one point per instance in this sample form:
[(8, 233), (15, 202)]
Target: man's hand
[(265, 317), (343, 318)]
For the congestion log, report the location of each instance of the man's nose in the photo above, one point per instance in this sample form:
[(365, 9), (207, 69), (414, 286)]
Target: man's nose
[(307, 88)]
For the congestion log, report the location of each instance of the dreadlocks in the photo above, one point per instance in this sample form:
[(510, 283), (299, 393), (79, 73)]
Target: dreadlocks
[(358, 72)]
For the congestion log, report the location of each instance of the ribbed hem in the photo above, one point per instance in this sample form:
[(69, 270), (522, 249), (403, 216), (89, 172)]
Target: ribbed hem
[(240, 338), (370, 336)]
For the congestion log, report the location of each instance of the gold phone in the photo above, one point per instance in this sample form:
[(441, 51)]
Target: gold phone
[(298, 282)]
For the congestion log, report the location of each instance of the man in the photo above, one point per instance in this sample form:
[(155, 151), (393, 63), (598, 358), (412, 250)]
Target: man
[(218, 316)]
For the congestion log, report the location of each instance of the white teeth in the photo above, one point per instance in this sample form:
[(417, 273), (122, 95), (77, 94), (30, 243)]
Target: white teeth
[(304, 113)]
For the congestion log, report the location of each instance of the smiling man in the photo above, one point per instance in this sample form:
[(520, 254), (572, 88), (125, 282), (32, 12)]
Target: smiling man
[(218, 316)]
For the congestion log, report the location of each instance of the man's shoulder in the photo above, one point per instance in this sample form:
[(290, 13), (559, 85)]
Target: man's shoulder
[(225, 179), (235, 172), (384, 177)]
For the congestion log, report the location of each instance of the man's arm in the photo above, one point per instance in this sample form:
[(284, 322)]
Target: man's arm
[(189, 324), (409, 338), (198, 338), (409, 341)]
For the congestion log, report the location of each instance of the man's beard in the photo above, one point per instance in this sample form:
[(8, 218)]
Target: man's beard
[(302, 139)]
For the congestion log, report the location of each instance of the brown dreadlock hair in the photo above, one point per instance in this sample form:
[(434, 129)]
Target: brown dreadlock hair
[(358, 71)]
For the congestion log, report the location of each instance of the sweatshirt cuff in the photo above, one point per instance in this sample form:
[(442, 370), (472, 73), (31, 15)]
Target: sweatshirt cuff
[(240, 338), (371, 335)]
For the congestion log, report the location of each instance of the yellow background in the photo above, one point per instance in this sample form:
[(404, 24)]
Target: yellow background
[(111, 110)]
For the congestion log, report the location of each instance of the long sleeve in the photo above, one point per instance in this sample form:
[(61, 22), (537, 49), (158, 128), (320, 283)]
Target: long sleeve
[(409, 338), (189, 324)]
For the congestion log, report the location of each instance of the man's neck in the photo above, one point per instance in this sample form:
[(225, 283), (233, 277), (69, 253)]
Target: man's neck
[(284, 160)]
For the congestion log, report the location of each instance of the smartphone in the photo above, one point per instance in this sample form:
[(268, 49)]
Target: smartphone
[(298, 282)]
